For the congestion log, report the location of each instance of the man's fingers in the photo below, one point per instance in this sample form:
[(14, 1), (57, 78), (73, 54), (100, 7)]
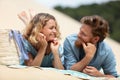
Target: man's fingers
[(84, 45)]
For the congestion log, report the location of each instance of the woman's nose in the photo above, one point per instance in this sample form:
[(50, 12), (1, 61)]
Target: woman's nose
[(54, 30)]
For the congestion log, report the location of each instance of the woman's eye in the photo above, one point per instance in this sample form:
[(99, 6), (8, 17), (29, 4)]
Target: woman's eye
[(52, 27)]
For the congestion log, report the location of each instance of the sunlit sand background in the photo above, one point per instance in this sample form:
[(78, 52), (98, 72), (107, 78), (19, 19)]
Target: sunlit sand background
[(9, 20)]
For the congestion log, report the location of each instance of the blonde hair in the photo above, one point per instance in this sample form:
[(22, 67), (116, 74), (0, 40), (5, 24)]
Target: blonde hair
[(36, 25)]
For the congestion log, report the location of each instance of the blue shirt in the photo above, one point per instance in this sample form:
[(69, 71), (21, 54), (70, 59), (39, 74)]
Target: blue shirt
[(104, 57)]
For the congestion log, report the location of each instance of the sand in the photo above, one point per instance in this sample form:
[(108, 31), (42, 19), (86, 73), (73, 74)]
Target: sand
[(9, 20)]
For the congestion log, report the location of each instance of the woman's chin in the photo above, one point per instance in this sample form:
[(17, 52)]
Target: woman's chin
[(51, 40)]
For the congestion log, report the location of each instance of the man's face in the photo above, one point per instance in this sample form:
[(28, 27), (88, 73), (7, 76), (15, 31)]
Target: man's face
[(84, 35)]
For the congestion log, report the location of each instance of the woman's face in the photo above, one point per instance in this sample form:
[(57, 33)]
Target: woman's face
[(49, 30)]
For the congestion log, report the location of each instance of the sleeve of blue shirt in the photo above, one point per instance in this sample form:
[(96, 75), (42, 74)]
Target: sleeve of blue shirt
[(70, 59), (61, 50), (109, 65)]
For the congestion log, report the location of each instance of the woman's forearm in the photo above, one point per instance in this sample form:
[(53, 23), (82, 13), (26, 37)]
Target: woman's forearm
[(57, 62)]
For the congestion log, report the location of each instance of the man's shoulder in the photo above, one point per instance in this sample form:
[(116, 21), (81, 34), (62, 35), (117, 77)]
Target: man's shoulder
[(72, 36), (104, 47)]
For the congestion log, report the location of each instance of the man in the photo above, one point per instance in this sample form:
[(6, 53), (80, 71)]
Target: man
[(87, 52)]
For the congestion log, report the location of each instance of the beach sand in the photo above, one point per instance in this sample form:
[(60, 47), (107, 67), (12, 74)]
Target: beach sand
[(9, 20)]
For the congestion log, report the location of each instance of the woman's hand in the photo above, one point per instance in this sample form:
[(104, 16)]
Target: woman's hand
[(56, 61), (55, 45), (42, 43), (41, 46)]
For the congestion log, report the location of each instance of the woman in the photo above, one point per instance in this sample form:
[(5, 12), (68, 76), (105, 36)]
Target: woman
[(41, 41)]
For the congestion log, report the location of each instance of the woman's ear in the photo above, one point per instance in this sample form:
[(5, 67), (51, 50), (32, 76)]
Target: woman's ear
[(96, 39)]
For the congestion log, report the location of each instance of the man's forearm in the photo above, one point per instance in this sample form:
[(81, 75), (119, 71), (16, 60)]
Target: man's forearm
[(79, 66)]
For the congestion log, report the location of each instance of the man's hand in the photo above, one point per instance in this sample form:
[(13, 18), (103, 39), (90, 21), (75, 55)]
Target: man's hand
[(89, 49), (92, 71)]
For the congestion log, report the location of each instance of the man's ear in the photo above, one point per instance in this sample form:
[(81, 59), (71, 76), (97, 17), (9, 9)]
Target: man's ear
[(96, 39)]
